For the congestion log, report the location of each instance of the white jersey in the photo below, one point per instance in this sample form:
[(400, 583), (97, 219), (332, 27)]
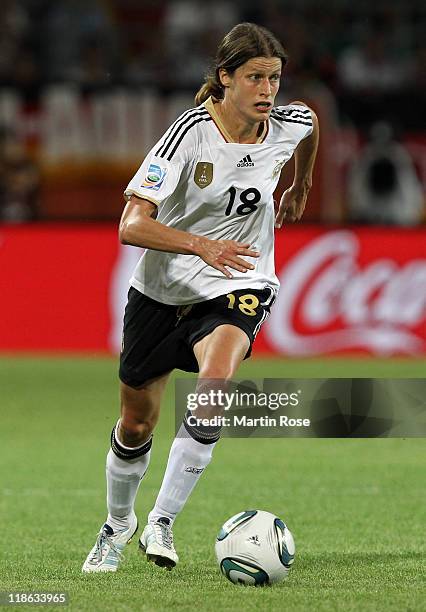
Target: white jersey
[(206, 184)]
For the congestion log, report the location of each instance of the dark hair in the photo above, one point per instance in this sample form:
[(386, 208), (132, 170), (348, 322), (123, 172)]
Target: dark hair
[(245, 41)]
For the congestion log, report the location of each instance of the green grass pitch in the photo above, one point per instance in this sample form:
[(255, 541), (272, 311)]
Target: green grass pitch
[(357, 508)]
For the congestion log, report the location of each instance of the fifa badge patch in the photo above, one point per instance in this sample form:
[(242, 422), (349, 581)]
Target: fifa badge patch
[(154, 177), (203, 174)]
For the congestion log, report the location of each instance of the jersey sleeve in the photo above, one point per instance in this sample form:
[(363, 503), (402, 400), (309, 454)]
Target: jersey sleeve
[(295, 118), (156, 179), (161, 171)]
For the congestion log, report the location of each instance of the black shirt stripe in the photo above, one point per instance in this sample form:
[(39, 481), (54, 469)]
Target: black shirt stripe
[(293, 114), (298, 109), (177, 126), (181, 119), (181, 137), (290, 119)]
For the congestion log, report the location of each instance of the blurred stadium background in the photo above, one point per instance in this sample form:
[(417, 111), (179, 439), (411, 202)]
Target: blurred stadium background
[(86, 87)]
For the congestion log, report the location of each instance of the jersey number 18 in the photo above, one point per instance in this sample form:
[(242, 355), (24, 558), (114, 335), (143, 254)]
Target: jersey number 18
[(249, 198)]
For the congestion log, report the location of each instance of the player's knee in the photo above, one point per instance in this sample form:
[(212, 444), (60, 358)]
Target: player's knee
[(135, 429), (139, 415), (217, 371)]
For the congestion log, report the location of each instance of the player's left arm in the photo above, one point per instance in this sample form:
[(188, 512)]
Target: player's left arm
[(294, 199)]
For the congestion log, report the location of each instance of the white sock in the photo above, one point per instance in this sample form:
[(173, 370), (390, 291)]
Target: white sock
[(187, 460), (123, 477)]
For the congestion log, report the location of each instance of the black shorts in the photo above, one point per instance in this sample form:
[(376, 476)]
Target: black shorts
[(158, 338)]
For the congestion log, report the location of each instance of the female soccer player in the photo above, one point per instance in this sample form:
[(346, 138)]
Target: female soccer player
[(202, 206)]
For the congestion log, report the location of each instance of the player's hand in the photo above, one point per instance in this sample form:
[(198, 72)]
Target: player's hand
[(224, 254), (292, 204)]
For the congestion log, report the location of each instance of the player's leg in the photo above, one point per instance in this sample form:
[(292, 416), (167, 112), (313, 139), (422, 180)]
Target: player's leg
[(126, 465), (144, 369), (218, 355), (129, 455)]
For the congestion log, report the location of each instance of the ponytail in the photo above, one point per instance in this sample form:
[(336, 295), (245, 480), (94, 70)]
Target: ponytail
[(211, 87)]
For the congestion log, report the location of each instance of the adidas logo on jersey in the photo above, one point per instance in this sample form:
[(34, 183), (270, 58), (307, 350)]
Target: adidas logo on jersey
[(245, 162)]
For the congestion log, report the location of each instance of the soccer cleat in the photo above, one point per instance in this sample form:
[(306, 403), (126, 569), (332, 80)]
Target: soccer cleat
[(156, 542), (107, 552)]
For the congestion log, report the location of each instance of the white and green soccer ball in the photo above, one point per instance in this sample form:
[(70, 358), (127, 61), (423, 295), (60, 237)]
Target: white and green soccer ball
[(255, 548)]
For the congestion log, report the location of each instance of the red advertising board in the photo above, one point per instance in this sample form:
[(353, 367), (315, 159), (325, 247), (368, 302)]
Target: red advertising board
[(55, 283), (349, 290)]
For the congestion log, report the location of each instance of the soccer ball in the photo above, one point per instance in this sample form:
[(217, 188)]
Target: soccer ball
[(255, 547)]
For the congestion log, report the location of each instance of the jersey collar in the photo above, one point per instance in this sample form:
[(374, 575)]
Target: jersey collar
[(209, 104)]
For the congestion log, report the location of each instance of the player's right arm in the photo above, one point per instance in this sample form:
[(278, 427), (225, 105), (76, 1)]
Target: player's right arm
[(138, 227)]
